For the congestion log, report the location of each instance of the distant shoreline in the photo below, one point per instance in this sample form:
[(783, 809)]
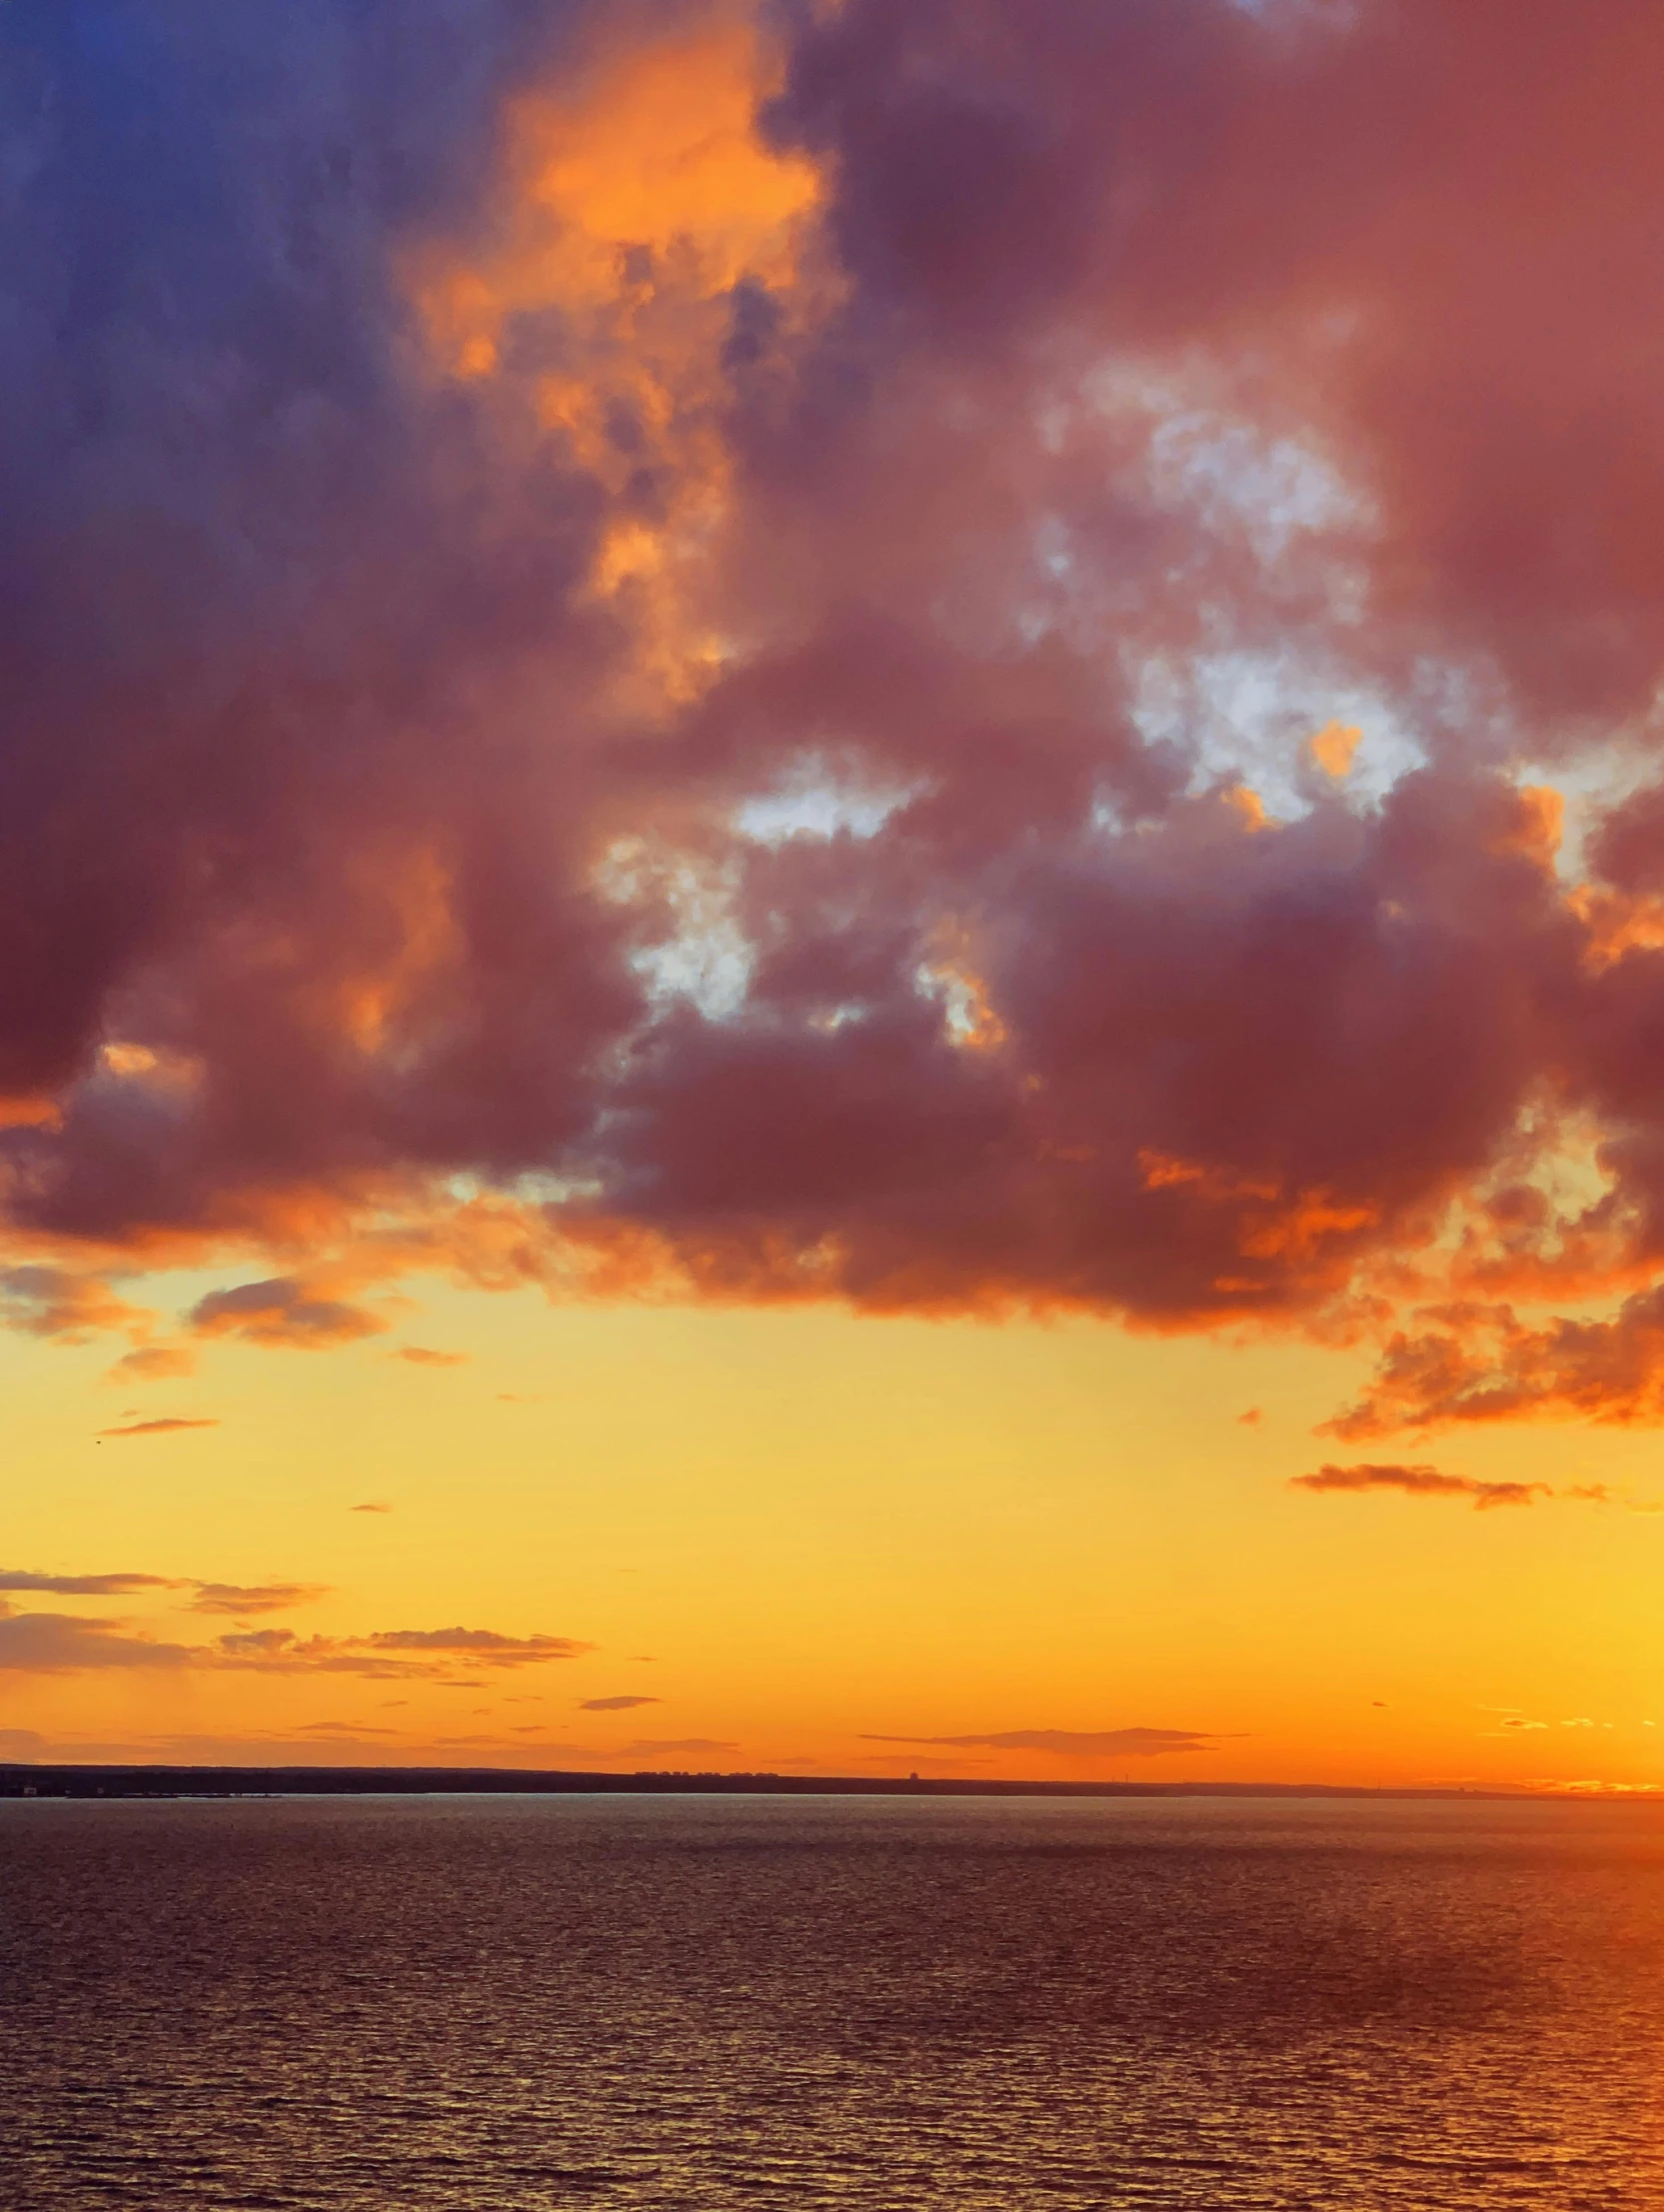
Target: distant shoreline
[(71, 1781)]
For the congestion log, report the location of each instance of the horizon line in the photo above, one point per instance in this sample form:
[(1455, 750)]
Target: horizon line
[(242, 1779)]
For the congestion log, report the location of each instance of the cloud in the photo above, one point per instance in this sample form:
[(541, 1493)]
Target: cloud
[(1120, 1743), (59, 1303), (605, 1704), (282, 1312), (375, 1506), (396, 1655), (49, 1644), (420, 1356), (482, 1645), (23, 1745), (306, 1744), (209, 1597), (967, 476), (263, 1598), (165, 1428), (57, 1643), (1485, 1364), (1422, 1482), (87, 1585), (651, 1747), (154, 1363)]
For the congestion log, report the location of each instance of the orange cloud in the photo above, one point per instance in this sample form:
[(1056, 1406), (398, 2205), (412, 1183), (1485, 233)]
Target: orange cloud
[(210, 1597), (88, 1585), (154, 1363), (59, 1643), (50, 1644), (262, 1598), (283, 1312), (1333, 747), (1102, 1744), (46, 1301), (654, 1747), (481, 1645), (1422, 1482), (640, 194), (1486, 1365)]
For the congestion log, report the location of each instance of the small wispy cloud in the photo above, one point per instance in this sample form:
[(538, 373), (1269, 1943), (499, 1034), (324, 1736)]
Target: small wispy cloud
[(1091, 1743), (241, 1598), (1427, 1481), (283, 1312), (482, 1645), (209, 1597), (615, 1704), (154, 1363), (55, 1302), (87, 1585), (1422, 1482), (171, 1426), (61, 1643), (660, 1747), (419, 1355)]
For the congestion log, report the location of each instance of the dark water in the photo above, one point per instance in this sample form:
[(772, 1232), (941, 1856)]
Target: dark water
[(387, 2005)]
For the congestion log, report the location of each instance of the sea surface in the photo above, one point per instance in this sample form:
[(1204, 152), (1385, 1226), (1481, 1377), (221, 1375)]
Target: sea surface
[(511, 2004)]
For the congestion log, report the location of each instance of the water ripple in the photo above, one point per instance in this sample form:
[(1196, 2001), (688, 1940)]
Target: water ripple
[(534, 2004)]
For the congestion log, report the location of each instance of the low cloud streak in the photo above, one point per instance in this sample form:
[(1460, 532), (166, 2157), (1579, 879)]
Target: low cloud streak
[(1074, 1743), (168, 1427), (1427, 1481)]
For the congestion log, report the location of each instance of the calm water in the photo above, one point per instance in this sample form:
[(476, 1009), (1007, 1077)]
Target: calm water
[(387, 2005)]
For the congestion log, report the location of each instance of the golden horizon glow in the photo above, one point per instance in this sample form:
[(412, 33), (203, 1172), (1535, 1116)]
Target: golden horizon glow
[(986, 1529)]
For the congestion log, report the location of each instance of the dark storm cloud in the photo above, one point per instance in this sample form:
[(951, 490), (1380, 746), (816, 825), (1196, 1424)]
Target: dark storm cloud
[(247, 559)]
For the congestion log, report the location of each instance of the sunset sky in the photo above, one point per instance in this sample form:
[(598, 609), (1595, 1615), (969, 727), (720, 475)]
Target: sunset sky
[(832, 886)]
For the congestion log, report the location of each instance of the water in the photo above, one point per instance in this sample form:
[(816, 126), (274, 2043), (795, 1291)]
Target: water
[(510, 2005)]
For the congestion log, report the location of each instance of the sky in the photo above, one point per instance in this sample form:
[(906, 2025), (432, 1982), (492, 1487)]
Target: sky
[(832, 887)]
